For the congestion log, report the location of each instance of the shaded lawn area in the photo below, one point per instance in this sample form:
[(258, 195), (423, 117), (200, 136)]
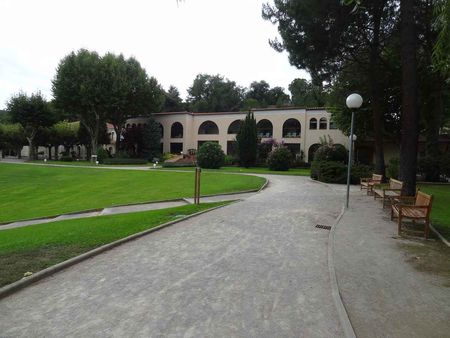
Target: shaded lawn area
[(440, 212), (36, 247), (31, 191), (251, 170)]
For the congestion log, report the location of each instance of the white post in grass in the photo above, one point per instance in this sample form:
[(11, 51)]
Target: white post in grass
[(354, 101)]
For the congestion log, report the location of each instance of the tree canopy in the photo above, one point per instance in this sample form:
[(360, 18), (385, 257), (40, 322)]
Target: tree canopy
[(32, 113), (173, 102), (100, 89), (214, 93)]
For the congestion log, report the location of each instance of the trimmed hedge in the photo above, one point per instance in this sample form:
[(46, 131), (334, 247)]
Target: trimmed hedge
[(177, 165), (336, 172), (124, 161), (66, 159), (329, 171)]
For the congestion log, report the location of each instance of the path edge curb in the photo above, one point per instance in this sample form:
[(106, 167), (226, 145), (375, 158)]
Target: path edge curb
[(441, 237), (336, 295), (24, 282)]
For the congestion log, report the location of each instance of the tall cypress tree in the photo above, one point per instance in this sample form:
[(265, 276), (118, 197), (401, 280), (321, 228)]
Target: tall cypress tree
[(247, 140), (151, 140)]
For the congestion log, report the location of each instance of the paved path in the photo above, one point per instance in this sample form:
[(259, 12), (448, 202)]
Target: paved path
[(391, 286), (257, 268)]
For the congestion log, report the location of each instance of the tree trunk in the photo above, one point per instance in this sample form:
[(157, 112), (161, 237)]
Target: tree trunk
[(410, 116), (94, 145), (93, 132), (375, 88), (117, 130), (31, 149)]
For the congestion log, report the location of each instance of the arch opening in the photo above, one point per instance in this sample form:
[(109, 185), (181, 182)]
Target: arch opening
[(264, 128), (291, 128), (208, 128), (176, 131), (234, 127)]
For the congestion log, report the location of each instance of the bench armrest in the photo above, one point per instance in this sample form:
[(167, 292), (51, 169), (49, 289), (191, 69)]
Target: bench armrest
[(412, 206), (406, 200)]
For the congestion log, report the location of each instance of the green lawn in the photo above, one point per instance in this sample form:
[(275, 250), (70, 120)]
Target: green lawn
[(251, 170), (36, 247), (440, 213), (31, 191), (87, 163)]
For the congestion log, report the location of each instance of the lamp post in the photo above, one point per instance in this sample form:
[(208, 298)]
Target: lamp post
[(354, 101), (352, 140)]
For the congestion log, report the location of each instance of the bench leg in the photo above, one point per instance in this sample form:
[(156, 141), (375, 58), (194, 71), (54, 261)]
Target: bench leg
[(399, 223), (392, 214), (427, 228)]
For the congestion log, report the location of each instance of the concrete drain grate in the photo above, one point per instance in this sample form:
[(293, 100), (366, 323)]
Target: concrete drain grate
[(322, 226)]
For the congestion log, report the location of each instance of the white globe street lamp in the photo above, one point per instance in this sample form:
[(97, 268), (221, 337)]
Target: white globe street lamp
[(354, 101)]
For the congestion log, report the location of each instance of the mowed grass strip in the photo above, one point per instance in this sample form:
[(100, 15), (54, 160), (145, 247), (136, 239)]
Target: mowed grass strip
[(440, 212), (36, 247), (251, 170), (32, 191)]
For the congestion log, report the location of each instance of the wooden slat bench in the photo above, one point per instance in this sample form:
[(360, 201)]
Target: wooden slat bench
[(394, 190), (413, 208), (368, 182)]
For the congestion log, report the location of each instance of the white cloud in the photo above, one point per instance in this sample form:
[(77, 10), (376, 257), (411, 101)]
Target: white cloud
[(173, 41)]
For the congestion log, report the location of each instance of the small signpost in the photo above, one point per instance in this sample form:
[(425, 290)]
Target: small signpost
[(198, 172)]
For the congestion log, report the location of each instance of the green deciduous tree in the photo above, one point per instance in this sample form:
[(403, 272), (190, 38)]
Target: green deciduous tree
[(247, 141), (100, 89), (79, 87), (128, 91), (305, 94), (12, 136), (213, 93), (66, 133), (260, 95), (32, 113)]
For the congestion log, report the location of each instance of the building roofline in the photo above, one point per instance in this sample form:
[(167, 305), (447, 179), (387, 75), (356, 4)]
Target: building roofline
[(287, 108), (240, 112)]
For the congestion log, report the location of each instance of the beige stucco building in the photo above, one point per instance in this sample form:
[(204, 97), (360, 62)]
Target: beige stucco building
[(300, 129)]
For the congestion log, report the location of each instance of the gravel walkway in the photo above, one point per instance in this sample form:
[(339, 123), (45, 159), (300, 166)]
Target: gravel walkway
[(257, 268)]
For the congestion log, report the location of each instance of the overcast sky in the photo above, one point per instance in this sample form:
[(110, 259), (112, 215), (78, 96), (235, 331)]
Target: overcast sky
[(173, 42)]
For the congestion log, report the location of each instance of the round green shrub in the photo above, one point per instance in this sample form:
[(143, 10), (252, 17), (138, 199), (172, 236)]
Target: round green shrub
[(210, 156), (279, 159), (329, 171), (331, 152)]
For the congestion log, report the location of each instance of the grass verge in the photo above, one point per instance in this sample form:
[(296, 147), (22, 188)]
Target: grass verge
[(440, 212), (251, 170), (32, 191), (36, 247)]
